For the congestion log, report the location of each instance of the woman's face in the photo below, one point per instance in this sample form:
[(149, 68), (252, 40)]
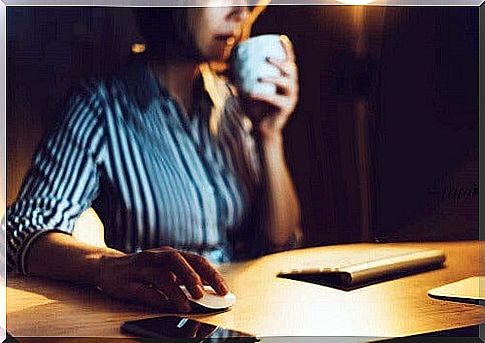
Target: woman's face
[(217, 29)]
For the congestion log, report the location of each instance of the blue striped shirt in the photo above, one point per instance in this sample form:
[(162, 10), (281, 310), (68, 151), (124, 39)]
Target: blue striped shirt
[(154, 175)]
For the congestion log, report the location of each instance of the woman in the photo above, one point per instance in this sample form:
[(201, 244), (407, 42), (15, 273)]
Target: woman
[(165, 154)]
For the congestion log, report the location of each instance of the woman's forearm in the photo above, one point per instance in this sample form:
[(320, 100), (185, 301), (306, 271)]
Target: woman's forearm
[(146, 277), (282, 217), (60, 256)]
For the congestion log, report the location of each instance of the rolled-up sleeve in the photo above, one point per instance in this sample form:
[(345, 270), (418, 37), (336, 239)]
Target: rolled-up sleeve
[(63, 179)]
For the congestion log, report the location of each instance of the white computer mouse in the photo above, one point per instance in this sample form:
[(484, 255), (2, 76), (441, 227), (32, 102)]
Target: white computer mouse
[(211, 299)]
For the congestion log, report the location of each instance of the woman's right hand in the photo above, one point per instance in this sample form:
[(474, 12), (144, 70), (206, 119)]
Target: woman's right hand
[(152, 277)]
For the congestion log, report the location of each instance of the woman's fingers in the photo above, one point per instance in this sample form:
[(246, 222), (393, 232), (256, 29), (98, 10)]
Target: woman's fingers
[(287, 68), (166, 283), (148, 295), (172, 261), (184, 271), (283, 84), (208, 272), (276, 100), (290, 53), (174, 293)]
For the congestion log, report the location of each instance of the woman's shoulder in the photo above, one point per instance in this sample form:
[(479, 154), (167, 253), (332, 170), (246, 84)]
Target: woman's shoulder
[(92, 91)]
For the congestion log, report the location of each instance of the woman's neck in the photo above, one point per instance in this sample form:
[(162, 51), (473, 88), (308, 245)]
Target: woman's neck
[(178, 78)]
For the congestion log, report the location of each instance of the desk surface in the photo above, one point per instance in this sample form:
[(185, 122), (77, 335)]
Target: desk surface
[(267, 305)]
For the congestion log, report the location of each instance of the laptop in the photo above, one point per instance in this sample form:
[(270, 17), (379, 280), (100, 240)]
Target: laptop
[(469, 290)]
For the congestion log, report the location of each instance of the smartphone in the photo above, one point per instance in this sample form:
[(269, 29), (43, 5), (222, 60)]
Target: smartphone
[(176, 327)]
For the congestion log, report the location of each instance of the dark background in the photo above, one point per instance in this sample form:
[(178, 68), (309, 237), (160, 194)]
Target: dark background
[(384, 142)]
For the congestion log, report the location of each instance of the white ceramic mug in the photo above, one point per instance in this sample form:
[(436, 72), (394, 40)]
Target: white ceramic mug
[(249, 63)]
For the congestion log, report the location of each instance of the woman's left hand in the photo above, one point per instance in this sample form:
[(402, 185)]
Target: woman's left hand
[(282, 103)]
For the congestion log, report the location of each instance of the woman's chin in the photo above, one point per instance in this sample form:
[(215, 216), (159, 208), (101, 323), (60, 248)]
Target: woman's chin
[(221, 59)]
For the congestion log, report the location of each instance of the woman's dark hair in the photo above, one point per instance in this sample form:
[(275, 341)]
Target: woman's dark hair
[(166, 31)]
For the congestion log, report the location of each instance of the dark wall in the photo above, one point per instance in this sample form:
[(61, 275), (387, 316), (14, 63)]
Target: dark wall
[(420, 77), (422, 120), (49, 49), (428, 144)]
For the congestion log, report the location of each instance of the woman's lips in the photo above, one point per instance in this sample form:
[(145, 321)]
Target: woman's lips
[(226, 39)]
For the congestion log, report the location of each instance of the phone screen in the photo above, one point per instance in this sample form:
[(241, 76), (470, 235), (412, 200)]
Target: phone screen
[(180, 327)]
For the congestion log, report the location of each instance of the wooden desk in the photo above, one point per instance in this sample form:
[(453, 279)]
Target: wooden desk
[(267, 305)]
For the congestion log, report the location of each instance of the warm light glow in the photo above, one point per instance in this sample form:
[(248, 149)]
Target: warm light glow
[(89, 229), (28, 300), (138, 48), (356, 2)]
